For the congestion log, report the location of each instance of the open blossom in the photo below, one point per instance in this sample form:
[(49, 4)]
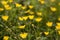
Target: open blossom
[(59, 32), (58, 23), (31, 12), (49, 24), (7, 7), (23, 35), (1, 9), (23, 7), (31, 17), (10, 1), (52, 0), (53, 9), (4, 2), (58, 26), (22, 26), (39, 13), (42, 1), (30, 6), (46, 33), (25, 17), (18, 5), (59, 19), (27, 11), (5, 37), (20, 18), (5, 18), (38, 19)]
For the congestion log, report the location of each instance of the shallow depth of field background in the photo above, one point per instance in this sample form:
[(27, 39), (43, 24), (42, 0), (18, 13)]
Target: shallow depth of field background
[(29, 19)]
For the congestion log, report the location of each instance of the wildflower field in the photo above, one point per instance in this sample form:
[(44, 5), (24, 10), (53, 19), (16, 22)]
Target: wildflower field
[(29, 19)]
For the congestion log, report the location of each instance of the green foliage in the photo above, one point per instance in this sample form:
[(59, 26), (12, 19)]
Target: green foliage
[(35, 29)]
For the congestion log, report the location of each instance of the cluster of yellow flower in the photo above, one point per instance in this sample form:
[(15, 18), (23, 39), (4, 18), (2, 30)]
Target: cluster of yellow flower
[(32, 15), (22, 35), (5, 37)]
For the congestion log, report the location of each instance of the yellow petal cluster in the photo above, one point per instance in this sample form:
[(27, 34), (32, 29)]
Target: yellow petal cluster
[(20, 18), (5, 37), (5, 18), (39, 13), (23, 35), (1, 9), (42, 1), (18, 5), (4, 2), (46, 33), (58, 26), (31, 17), (38, 19), (53, 9), (10, 1), (30, 6), (25, 17), (49, 24), (22, 27), (59, 19), (52, 0)]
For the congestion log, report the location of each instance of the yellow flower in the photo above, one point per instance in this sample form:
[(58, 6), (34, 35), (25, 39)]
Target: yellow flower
[(23, 35), (23, 7), (58, 27), (38, 19), (22, 27), (58, 24), (31, 12), (18, 5), (7, 7), (39, 13), (59, 19), (46, 33), (53, 9), (4, 2), (1, 9), (42, 1), (59, 32), (30, 6), (10, 1), (25, 17), (31, 17), (53, 0), (59, 3), (49, 24), (5, 37), (20, 18), (27, 11), (5, 18)]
